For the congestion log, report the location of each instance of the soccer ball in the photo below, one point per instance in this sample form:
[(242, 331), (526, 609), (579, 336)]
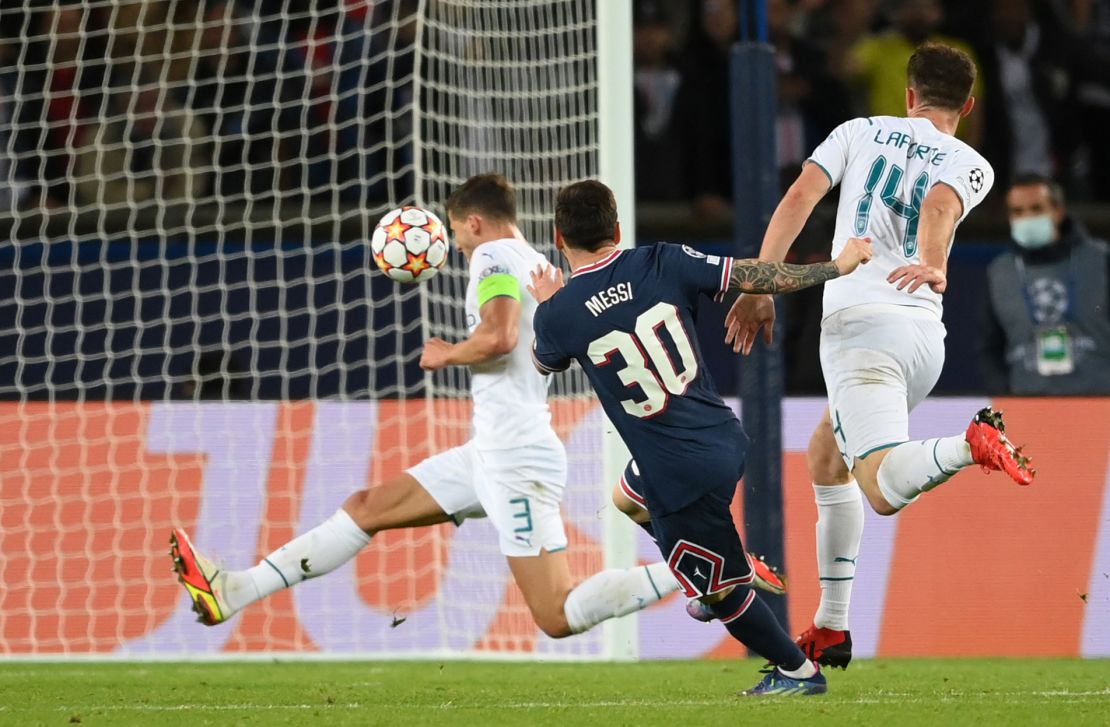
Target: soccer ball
[(409, 244)]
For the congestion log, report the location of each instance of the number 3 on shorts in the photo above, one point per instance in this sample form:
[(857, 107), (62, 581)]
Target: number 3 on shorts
[(523, 512)]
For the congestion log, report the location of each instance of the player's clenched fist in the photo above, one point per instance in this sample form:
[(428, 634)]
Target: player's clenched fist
[(856, 252), (435, 353)]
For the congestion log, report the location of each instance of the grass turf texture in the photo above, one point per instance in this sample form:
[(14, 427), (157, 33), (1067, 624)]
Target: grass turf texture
[(459, 693)]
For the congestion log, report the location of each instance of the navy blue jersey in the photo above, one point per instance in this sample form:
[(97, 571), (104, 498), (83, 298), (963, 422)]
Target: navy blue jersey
[(628, 320)]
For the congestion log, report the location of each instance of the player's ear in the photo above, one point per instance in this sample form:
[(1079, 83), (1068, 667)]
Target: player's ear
[(560, 243), (967, 107), (474, 222), (911, 99), (617, 234)]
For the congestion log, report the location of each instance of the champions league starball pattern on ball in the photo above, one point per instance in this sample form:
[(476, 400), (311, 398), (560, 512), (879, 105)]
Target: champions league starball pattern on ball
[(409, 244)]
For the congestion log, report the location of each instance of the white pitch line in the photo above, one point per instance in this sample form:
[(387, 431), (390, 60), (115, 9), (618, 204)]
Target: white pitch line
[(1065, 693), (891, 698), (190, 707)]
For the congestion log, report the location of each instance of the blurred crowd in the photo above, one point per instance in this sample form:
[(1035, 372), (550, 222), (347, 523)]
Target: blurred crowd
[(1043, 91), (119, 102), (129, 101)]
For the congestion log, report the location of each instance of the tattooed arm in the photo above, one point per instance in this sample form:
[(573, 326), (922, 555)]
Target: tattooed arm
[(756, 276)]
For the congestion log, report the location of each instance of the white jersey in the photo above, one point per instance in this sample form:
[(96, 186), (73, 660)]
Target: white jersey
[(885, 166), (509, 394)]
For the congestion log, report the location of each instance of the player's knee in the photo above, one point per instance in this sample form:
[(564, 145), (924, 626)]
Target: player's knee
[(362, 511), (881, 506), (553, 623), (825, 462), (875, 497)]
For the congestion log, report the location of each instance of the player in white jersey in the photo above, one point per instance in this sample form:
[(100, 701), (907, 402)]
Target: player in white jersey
[(512, 471), (906, 183)]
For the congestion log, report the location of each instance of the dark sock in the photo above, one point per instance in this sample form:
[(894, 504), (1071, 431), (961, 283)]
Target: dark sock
[(751, 623)]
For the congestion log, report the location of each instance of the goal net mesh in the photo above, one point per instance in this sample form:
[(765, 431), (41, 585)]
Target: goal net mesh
[(194, 333)]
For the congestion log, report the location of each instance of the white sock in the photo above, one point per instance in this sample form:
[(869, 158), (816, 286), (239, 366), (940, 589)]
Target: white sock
[(839, 532), (321, 550), (915, 467), (805, 671), (617, 593)]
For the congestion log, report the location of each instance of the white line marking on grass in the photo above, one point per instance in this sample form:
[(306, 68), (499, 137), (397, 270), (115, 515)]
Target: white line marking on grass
[(620, 703), (199, 707), (877, 698), (888, 698)]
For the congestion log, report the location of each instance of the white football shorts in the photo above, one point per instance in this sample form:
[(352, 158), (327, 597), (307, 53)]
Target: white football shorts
[(519, 490), (880, 361)]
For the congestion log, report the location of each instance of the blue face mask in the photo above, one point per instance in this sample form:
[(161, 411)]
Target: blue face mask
[(1033, 233)]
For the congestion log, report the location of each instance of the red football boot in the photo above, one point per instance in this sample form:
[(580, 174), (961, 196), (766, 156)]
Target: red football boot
[(991, 450), (826, 646), (767, 577)]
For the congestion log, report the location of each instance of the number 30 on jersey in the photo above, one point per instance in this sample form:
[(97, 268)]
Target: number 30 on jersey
[(648, 364)]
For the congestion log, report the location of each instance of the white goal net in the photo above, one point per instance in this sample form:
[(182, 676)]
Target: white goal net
[(194, 333)]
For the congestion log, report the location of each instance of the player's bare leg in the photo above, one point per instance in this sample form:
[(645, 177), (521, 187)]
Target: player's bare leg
[(400, 503), (545, 581), (826, 464), (561, 609), (218, 594), (866, 473)]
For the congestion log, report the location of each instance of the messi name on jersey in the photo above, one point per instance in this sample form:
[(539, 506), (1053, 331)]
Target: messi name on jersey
[(605, 299)]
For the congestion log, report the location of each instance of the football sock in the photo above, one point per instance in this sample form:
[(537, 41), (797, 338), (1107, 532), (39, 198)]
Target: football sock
[(321, 550), (617, 592), (839, 532), (805, 671), (915, 467), (750, 622)]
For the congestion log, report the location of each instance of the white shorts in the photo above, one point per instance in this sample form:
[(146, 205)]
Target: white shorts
[(519, 490), (879, 361)]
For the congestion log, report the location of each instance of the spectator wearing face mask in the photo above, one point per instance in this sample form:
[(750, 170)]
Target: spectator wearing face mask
[(1047, 328)]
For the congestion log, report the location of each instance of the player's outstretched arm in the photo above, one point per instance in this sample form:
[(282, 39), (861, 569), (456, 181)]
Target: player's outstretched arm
[(757, 276), (750, 313), (793, 212)]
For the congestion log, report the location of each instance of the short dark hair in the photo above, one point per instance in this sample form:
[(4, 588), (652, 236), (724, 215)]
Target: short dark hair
[(941, 75), (490, 195), (586, 214), (1030, 179)]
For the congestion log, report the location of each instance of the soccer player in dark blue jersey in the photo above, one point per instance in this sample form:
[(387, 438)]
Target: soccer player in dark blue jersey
[(626, 316)]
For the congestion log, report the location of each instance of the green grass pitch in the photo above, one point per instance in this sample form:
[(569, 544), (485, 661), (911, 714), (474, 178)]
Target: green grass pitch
[(888, 692)]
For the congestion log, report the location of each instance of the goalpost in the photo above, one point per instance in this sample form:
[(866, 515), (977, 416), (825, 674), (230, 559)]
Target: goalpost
[(195, 334)]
